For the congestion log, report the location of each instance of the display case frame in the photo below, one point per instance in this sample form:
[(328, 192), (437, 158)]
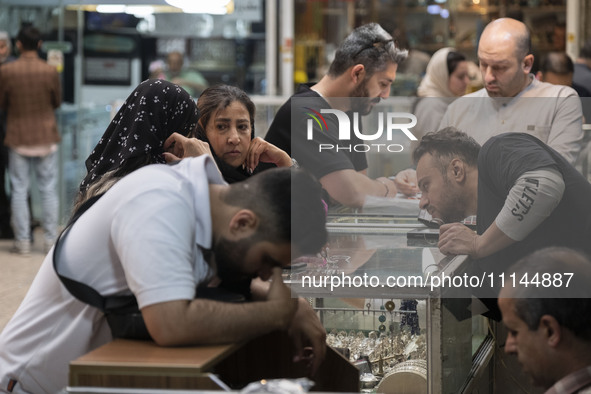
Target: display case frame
[(454, 363)]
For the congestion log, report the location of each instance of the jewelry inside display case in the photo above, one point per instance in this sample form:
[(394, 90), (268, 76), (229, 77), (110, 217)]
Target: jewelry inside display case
[(383, 340), (372, 290)]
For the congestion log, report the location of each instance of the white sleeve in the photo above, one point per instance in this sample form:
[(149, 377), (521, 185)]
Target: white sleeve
[(566, 134), (153, 237), (532, 199)]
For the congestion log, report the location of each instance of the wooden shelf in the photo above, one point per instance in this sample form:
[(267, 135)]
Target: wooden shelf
[(143, 364)]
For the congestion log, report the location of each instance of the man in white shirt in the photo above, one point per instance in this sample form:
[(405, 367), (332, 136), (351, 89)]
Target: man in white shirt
[(158, 234), (512, 100), (520, 103)]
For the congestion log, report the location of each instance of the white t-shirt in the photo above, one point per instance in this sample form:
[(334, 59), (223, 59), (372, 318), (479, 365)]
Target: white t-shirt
[(552, 113), (143, 235)]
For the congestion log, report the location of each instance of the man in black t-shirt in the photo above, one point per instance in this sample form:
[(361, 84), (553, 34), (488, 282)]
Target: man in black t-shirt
[(526, 196), (360, 75)]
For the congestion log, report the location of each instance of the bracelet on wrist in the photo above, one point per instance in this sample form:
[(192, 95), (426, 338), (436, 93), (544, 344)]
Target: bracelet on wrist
[(385, 185)]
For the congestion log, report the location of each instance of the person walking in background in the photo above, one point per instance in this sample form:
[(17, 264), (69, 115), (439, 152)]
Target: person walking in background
[(30, 91), (5, 228), (190, 80)]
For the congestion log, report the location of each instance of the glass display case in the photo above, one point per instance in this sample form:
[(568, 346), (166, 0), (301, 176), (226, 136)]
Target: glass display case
[(373, 289)]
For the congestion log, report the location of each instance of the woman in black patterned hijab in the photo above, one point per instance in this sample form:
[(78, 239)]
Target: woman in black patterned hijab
[(135, 136)]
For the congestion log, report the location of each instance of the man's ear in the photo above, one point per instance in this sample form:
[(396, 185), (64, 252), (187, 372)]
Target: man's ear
[(458, 170), (357, 73), (551, 329), (244, 223), (528, 63)]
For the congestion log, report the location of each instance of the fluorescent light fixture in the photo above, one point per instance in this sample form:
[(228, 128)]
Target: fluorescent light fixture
[(433, 9), (440, 1), (444, 13), (139, 10), (213, 7), (110, 8)]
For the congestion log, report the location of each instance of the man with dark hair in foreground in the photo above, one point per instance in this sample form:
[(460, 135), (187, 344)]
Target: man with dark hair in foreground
[(158, 234)]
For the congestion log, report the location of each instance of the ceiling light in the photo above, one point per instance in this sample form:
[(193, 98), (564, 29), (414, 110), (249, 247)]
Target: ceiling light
[(433, 9), (214, 7), (110, 8), (139, 11)]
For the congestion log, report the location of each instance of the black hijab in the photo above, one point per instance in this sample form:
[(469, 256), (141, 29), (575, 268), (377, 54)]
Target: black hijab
[(151, 113)]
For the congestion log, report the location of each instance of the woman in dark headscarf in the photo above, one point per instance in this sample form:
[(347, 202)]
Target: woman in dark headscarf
[(226, 123), (135, 136)]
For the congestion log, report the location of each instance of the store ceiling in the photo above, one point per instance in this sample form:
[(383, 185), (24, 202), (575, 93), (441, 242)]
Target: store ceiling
[(218, 7), (79, 2)]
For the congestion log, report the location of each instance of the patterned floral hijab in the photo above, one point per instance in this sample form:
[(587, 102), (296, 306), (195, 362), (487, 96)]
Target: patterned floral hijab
[(151, 113)]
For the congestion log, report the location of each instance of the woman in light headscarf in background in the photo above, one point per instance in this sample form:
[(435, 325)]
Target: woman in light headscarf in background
[(135, 137), (446, 79)]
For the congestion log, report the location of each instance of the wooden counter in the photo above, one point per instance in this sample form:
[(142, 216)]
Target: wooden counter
[(143, 364)]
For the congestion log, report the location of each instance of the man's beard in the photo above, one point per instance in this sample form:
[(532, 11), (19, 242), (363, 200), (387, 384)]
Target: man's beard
[(360, 100), (229, 258), (453, 206)]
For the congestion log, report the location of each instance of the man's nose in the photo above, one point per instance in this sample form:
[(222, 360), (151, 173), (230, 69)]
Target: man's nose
[(488, 75), (510, 347), (265, 273), (424, 201)]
